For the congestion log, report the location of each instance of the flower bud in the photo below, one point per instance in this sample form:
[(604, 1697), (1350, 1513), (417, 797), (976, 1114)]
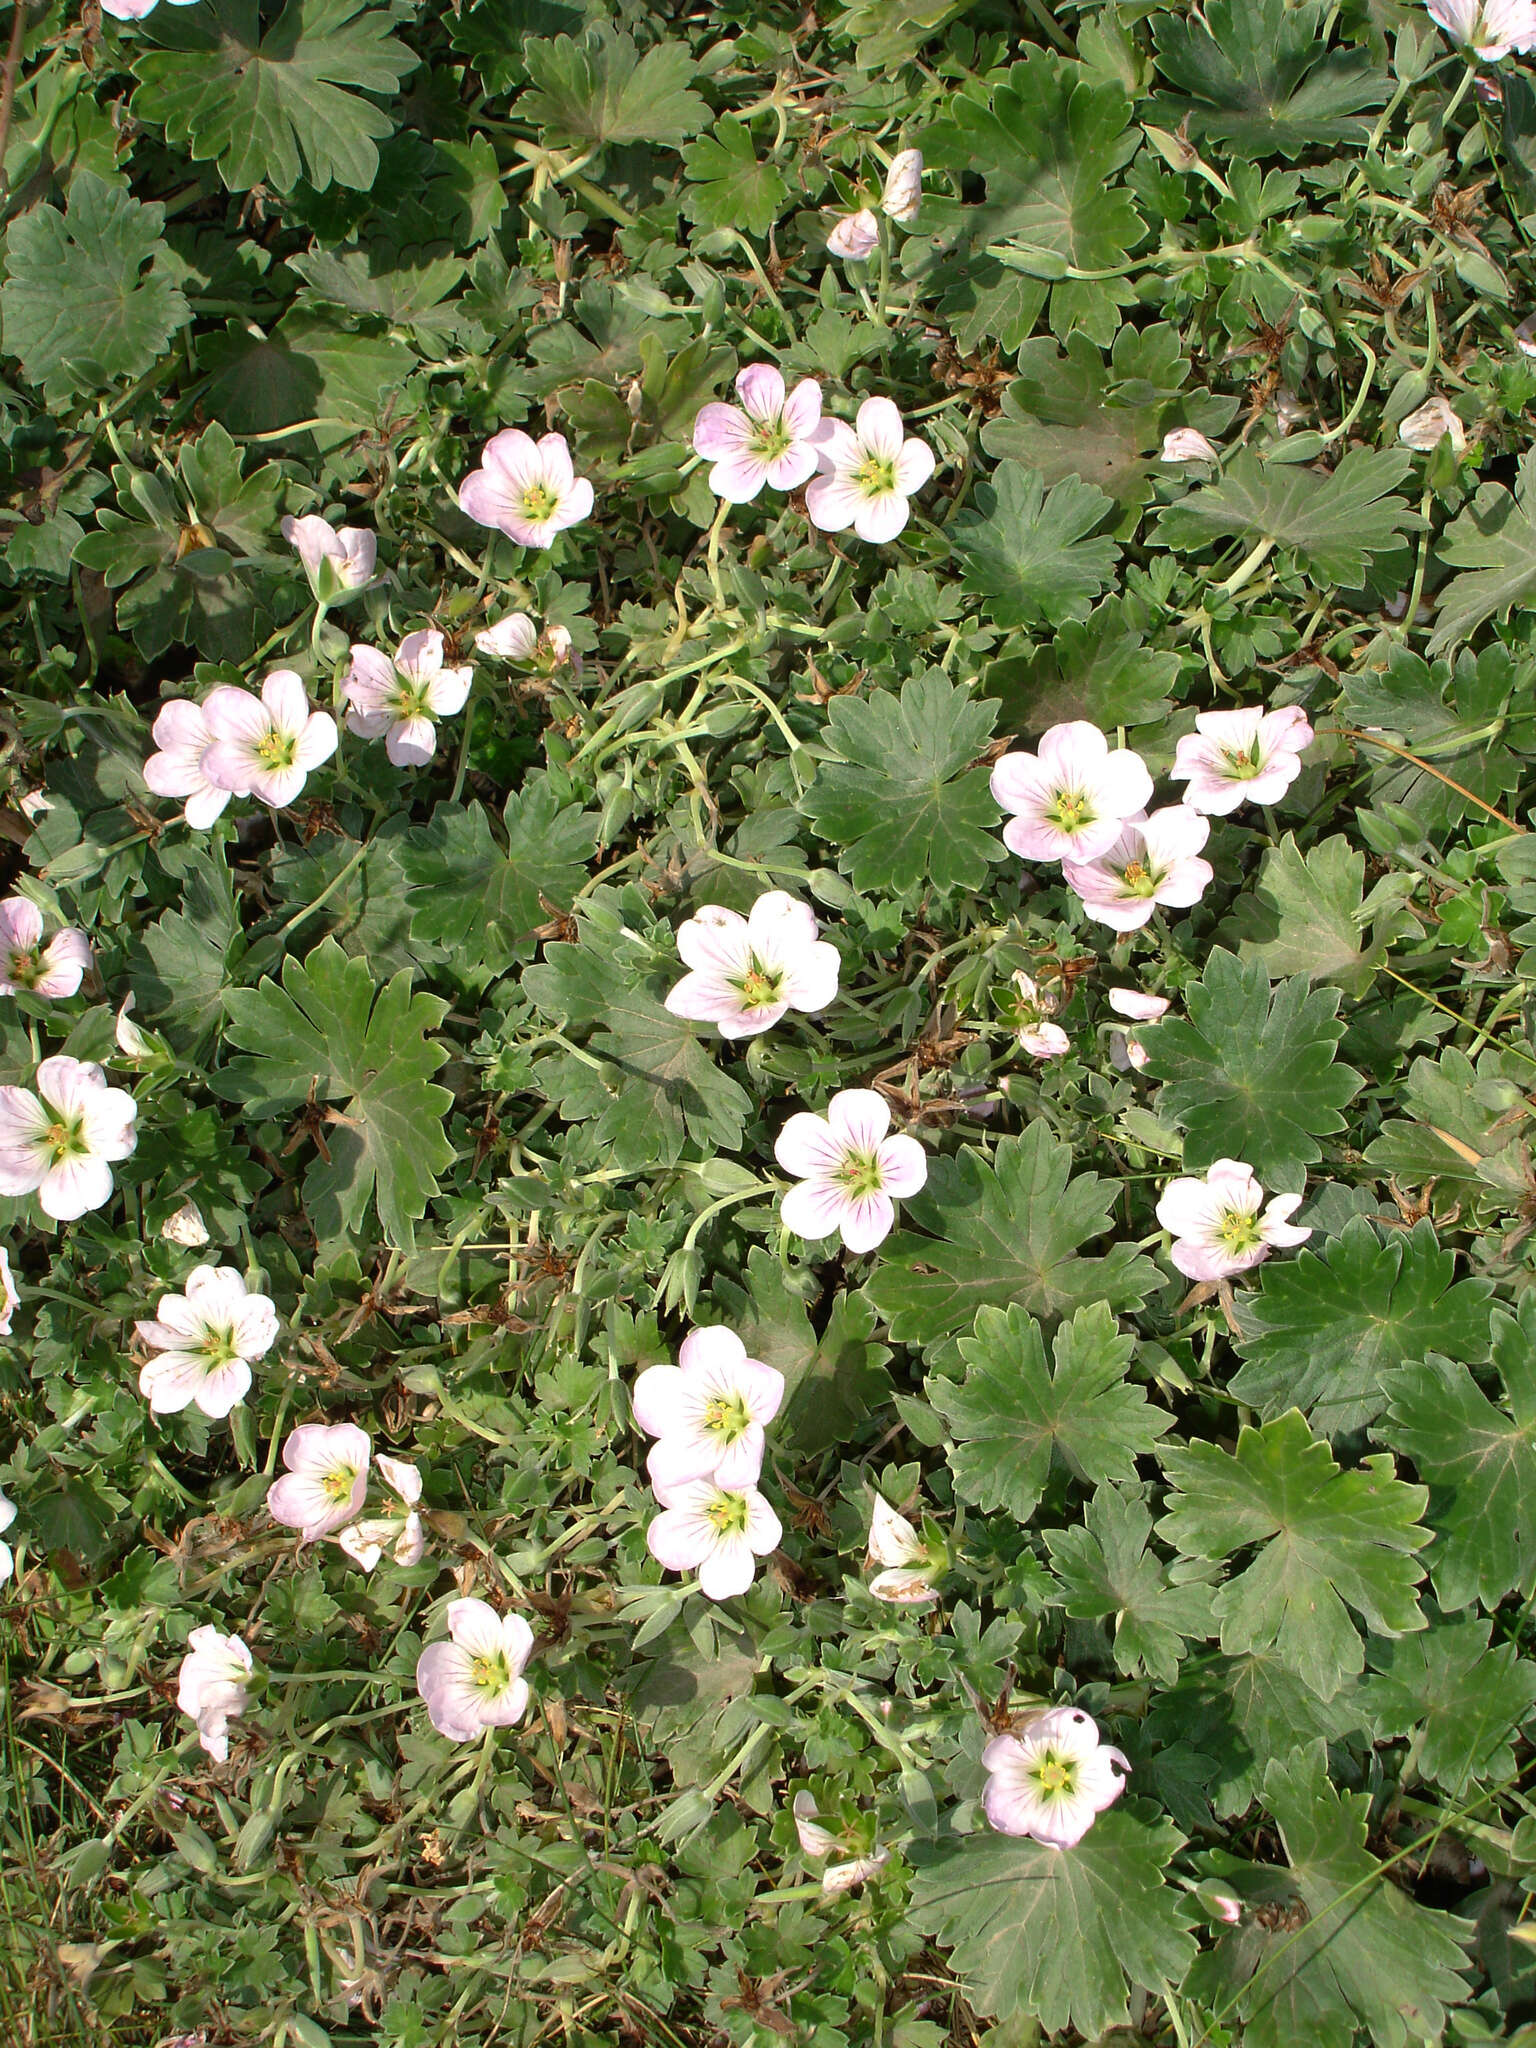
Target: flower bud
[(855, 236), (903, 193), (1430, 425), (337, 560), (1188, 444)]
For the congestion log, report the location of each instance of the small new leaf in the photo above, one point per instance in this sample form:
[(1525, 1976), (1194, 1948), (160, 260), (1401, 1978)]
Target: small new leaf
[(1012, 1415), (1252, 1073), (904, 802), (1329, 1541)]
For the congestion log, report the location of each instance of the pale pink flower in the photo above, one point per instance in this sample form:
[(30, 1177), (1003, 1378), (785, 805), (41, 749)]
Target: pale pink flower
[(1032, 1010), (1426, 428), (402, 1535), (135, 10), (7, 1516), (708, 1411), (398, 700), (131, 1042), (848, 1170), (1238, 757), (1188, 444), (54, 970), (512, 638), (1053, 1779), (869, 471), (338, 560), (213, 1686), (1154, 860), (747, 971), (855, 237), (908, 1567), (1491, 29), (1071, 797), (1125, 1048), (266, 746), (186, 1227), (767, 439), (818, 1841), (8, 1295), (527, 488), (326, 1479), (903, 194), (475, 1680), (1216, 1222), (182, 735), (208, 1338), (718, 1531), (59, 1143)]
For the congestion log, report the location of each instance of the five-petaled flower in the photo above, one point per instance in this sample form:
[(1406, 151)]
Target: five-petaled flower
[(747, 971), (908, 1566), (266, 746), (1052, 1779), (398, 700), (1237, 757), (527, 488), (708, 1411), (26, 964), (1154, 860), (206, 1339), (767, 439), (182, 736), (1220, 1225), (1490, 28), (338, 560), (848, 1170), (60, 1142), (1032, 1007), (869, 471), (326, 1479), (475, 1680), (214, 1686), (1071, 797), (718, 1531)]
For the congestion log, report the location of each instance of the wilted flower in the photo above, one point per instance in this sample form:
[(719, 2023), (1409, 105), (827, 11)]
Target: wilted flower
[(398, 700), (186, 1227), (909, 1569), (848, 1170), (131, 1042), (767, 439), (365, 1541), (855, 237), (869, 471), (8, 1295), (903, 194), (1216, 1223), (817, 1841), (54, 970), (337, 559), (1052, 1779), (214, 1686), (1490, 28), (1071, 797), (266, 746), (1188, 444), (747, 971), (1125, 1048), (1430, 425), (7, 1516), (708, 1411), (326, 1479), (510, 639), (182, 735), (1154, 860), (207, 1338), (527, 488), (58, 1143), (1237, 757), (1032, 1009), (718, 1531), (475, 1680)]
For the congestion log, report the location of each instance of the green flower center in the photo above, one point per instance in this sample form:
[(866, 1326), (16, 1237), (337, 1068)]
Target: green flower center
[(64, 1139), (219, 1349), (876, 476), (277, 749), (1139, 879), (1055, 1776), (338, 1483), (539, 502), (490, 1675), (412, 699), (770, 439), (1242, 763), (1070, 810), (726, 1417), (726, 1513), (25, 966), (759, 985), (1239, 1231), (858, 1174)]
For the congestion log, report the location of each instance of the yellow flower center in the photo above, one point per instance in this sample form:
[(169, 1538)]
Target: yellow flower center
[(727, 1513), (338, 1483), (726, 1417), (875, 476), (1239, 1232), (539, 502), (276, 749), (490, 1675)]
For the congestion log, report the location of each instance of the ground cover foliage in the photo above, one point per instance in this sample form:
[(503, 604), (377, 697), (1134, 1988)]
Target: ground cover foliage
[(402, 1044)]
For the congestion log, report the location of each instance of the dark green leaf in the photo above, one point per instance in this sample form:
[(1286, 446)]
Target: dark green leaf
[(1260, 77), (485, 899), (729, 188), (600, 91), (1493, 544), (1027, 550), (1462, 1701), (1335, 525), (1106, 1569)]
